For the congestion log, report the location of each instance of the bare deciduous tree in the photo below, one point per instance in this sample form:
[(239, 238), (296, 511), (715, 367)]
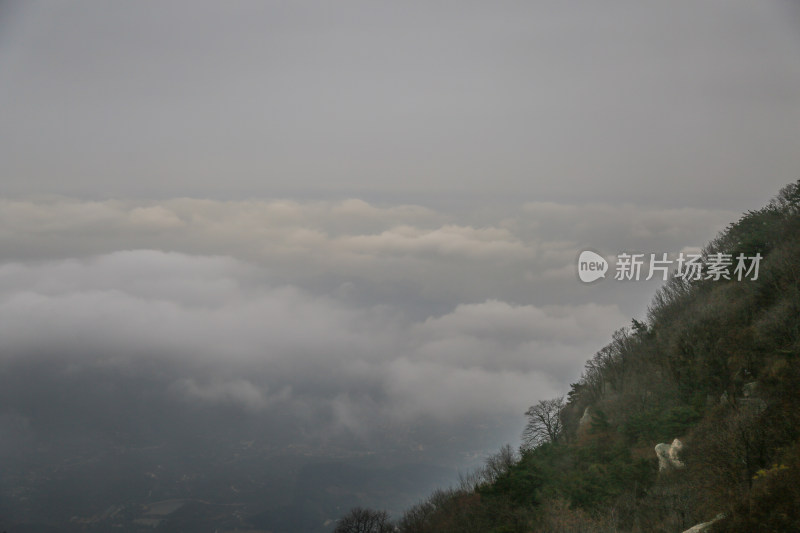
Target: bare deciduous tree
[(544, 423), (499, 464), (418, 519), (360, 520)]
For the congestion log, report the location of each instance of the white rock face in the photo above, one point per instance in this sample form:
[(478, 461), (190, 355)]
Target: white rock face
[(668, 455), (585, 423), (699, 528), (586, 419)]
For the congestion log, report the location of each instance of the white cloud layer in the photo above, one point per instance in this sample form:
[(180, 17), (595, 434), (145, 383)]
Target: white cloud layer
[(344, 315), (379, 253), (220, 313)]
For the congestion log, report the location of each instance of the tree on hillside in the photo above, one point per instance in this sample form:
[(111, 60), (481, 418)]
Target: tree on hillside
[(360, 520), (499, 464), (544, 423)]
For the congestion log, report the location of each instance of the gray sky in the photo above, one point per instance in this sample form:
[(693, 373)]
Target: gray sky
[(360, 212), (668, 103)]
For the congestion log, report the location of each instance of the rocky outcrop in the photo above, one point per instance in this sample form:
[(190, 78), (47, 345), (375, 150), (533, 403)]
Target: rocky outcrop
[(585, 423), (586, 420), (668, 455), (699, 528)]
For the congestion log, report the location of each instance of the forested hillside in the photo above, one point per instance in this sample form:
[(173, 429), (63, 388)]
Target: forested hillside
[(716, 365)]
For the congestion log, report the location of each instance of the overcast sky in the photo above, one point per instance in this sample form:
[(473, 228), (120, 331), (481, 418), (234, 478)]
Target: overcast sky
[(363, 211)]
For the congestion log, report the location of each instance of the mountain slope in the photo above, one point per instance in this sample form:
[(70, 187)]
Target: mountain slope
[(715, 365)]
